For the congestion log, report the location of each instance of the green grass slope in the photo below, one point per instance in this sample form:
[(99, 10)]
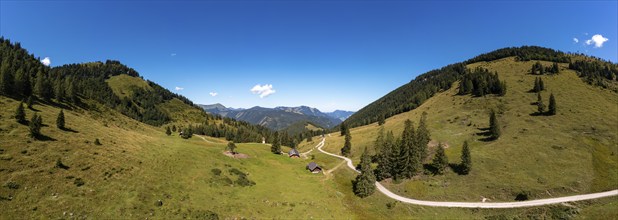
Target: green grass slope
[(573, 152)]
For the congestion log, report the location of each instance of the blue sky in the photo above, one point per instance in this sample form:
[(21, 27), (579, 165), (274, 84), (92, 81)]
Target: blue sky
[(325, 54)]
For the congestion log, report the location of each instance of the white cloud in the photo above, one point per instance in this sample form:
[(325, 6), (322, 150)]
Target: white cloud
[(173, 54), (575, 40), (213, 94), (598, 40), (263, 90), (46, 61), (179, 88)]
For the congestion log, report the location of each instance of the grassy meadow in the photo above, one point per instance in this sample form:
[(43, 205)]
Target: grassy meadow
[(573, 152)]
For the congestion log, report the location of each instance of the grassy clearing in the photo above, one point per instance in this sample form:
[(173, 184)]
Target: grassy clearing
[(573, 152), (123, 85)]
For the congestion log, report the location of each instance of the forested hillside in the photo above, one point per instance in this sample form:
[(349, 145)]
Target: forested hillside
[(416, 92)]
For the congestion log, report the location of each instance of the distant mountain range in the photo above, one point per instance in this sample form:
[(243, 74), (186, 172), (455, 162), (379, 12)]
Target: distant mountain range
[(279, 118)]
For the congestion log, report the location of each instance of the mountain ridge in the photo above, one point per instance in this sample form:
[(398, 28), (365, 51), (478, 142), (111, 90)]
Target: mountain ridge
[(280, 117)]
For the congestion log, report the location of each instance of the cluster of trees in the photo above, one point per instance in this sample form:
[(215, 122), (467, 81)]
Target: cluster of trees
[(539, 85), (402, 158), (538, 69), (481, 82), (230, 129), (36, 122), (597, 72), (551, 109)]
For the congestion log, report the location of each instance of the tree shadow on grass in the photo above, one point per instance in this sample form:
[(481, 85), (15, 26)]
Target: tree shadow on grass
[(456, 168), (69, 130), (42, 137), (429, 169)]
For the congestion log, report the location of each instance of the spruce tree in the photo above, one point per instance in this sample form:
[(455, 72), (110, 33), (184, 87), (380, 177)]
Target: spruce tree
[(35, 125), (540, 105), (22, 83), (541, 84), (168, 131), (347, 146), (423, 136), (343, 128), (395, 151), (382, 153), (552, 105), (466, 159), (440, 161), (20, 114), (6, 79), (60, 120), (409, 158), (30, 101), (494, 127), (364, 184), (276, 145), (537, 85)]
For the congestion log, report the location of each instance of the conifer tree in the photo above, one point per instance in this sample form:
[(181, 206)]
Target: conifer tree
[(537, 85), (60, 120), (59, 90), (6, 79), (494, 127), (343, 129), (35, 125), (540, 105), (423, 136), (364, 184), (174, 128), (541, 84), (22, 83), (395, 151), (20, 114), (276, 145), (552, 105), (382, 153), (168, 131), (30, 101), (466, 159), (347, 146), (409, 159), (440, 161)]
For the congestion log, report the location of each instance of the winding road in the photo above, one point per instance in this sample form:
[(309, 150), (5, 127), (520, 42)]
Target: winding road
[(488, 205)]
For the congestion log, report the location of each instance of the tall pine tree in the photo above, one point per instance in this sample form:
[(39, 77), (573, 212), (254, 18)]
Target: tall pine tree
[(494, 127), (347, 146), (35, 125), (540, 105), (440, 161), (276, 145), (20, 114), (409, 158), (364, 184), (60, 120), (423, 137), (466, 159), (552, 105)]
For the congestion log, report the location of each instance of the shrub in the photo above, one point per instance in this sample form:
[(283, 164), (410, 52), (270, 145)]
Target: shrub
[(216, 171), (522, 196), (12, 185)]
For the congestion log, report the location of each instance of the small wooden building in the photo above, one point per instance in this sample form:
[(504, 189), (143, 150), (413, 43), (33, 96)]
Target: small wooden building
[(293, 153), (314, 168)]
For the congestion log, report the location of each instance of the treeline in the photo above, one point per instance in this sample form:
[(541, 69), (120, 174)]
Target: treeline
[(481, 82), (230, 129), (524, 53), (22, 76), (597, 73)]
